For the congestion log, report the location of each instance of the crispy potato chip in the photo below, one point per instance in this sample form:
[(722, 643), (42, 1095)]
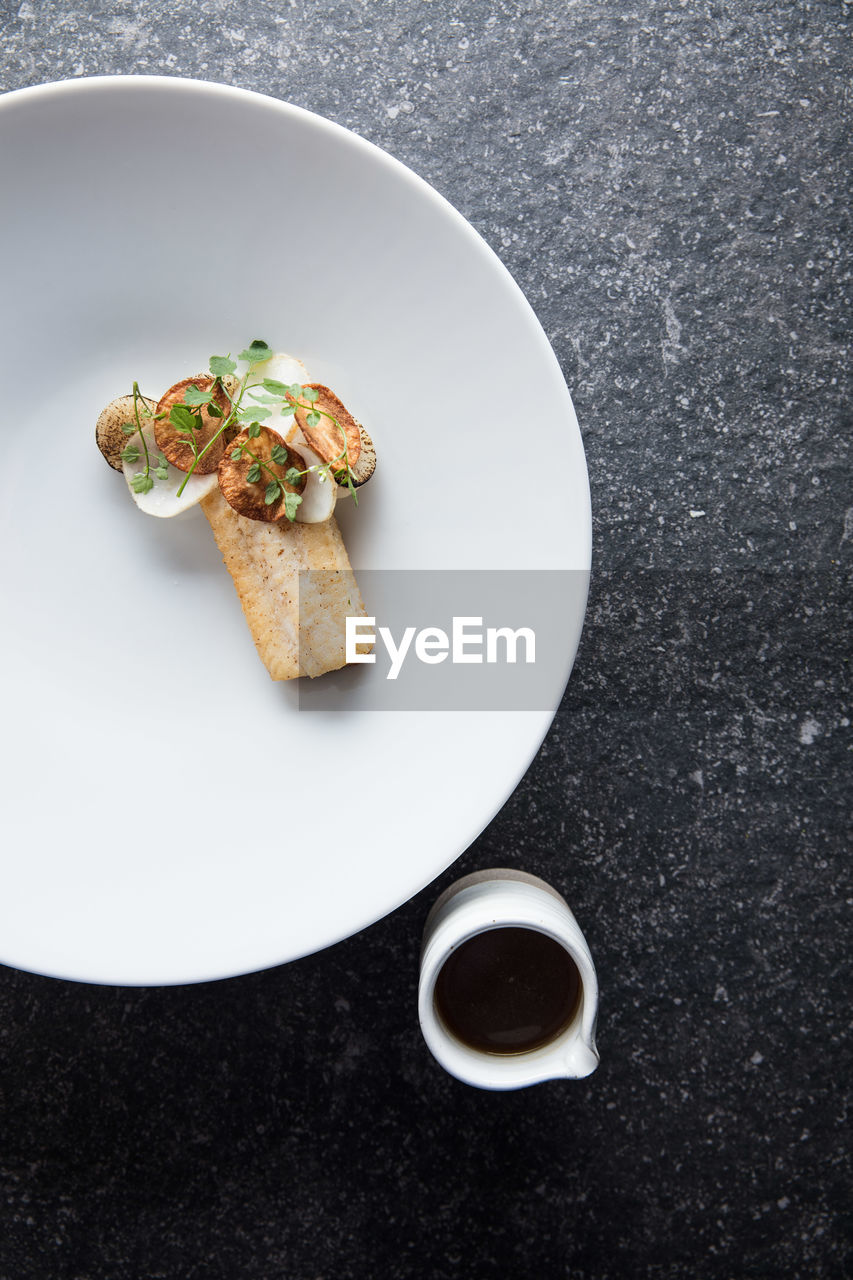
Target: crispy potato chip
[(325, 436), (365, 464), (175, 442), (249, 497), (111, 438)]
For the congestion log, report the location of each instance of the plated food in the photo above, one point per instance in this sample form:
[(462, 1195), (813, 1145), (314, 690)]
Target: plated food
[(266, 454)]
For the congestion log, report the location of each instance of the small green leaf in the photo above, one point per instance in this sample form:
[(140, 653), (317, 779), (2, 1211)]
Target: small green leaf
[(292, 475), (279, 454), (141, 483), (180, 416), (214, 410), (162, 473), (254, 473), (221, 366), (236, 454), (253, 413), (256, 352), (129, 428), (275, 387), (313, 419), (291, 502), (287, 410), (254, 430), (273, 490), (344, 479), (310, 394), (130, 453), (195, 396)]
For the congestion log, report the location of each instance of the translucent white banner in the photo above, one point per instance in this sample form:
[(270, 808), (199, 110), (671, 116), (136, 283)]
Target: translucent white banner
[(447, 640)]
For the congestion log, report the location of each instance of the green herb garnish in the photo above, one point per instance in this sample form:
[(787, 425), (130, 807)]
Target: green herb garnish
[(250, 404)]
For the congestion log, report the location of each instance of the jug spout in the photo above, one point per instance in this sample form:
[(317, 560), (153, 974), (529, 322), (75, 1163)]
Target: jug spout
[(580, 1060)]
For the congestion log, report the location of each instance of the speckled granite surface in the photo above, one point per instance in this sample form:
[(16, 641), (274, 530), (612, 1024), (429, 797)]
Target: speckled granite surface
[(669, 183)]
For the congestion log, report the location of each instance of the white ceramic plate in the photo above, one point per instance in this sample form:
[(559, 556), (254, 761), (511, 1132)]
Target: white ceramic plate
[(163, 815)]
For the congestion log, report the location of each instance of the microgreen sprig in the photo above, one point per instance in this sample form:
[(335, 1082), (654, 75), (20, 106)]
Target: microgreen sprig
[(142, 481)]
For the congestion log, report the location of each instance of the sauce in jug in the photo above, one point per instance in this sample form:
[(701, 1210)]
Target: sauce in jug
[(507, 990)]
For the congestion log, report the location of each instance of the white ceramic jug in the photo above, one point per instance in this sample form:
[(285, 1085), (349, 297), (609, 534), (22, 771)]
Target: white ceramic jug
[(496, 899)]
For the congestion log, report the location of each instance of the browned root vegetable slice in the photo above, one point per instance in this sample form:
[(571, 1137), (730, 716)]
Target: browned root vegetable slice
[(230, 382), (175, 446), (109, 435), (366, 463), (325, 438), (248, 498)]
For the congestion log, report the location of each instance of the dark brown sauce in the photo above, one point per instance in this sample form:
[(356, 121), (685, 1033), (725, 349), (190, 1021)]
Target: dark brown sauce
[(507, 990)]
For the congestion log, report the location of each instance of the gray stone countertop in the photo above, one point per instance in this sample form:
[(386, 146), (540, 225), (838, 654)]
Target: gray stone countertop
[(669, 184)]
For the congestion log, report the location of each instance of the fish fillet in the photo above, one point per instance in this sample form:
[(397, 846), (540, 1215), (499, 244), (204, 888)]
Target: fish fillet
[(293, 637)]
